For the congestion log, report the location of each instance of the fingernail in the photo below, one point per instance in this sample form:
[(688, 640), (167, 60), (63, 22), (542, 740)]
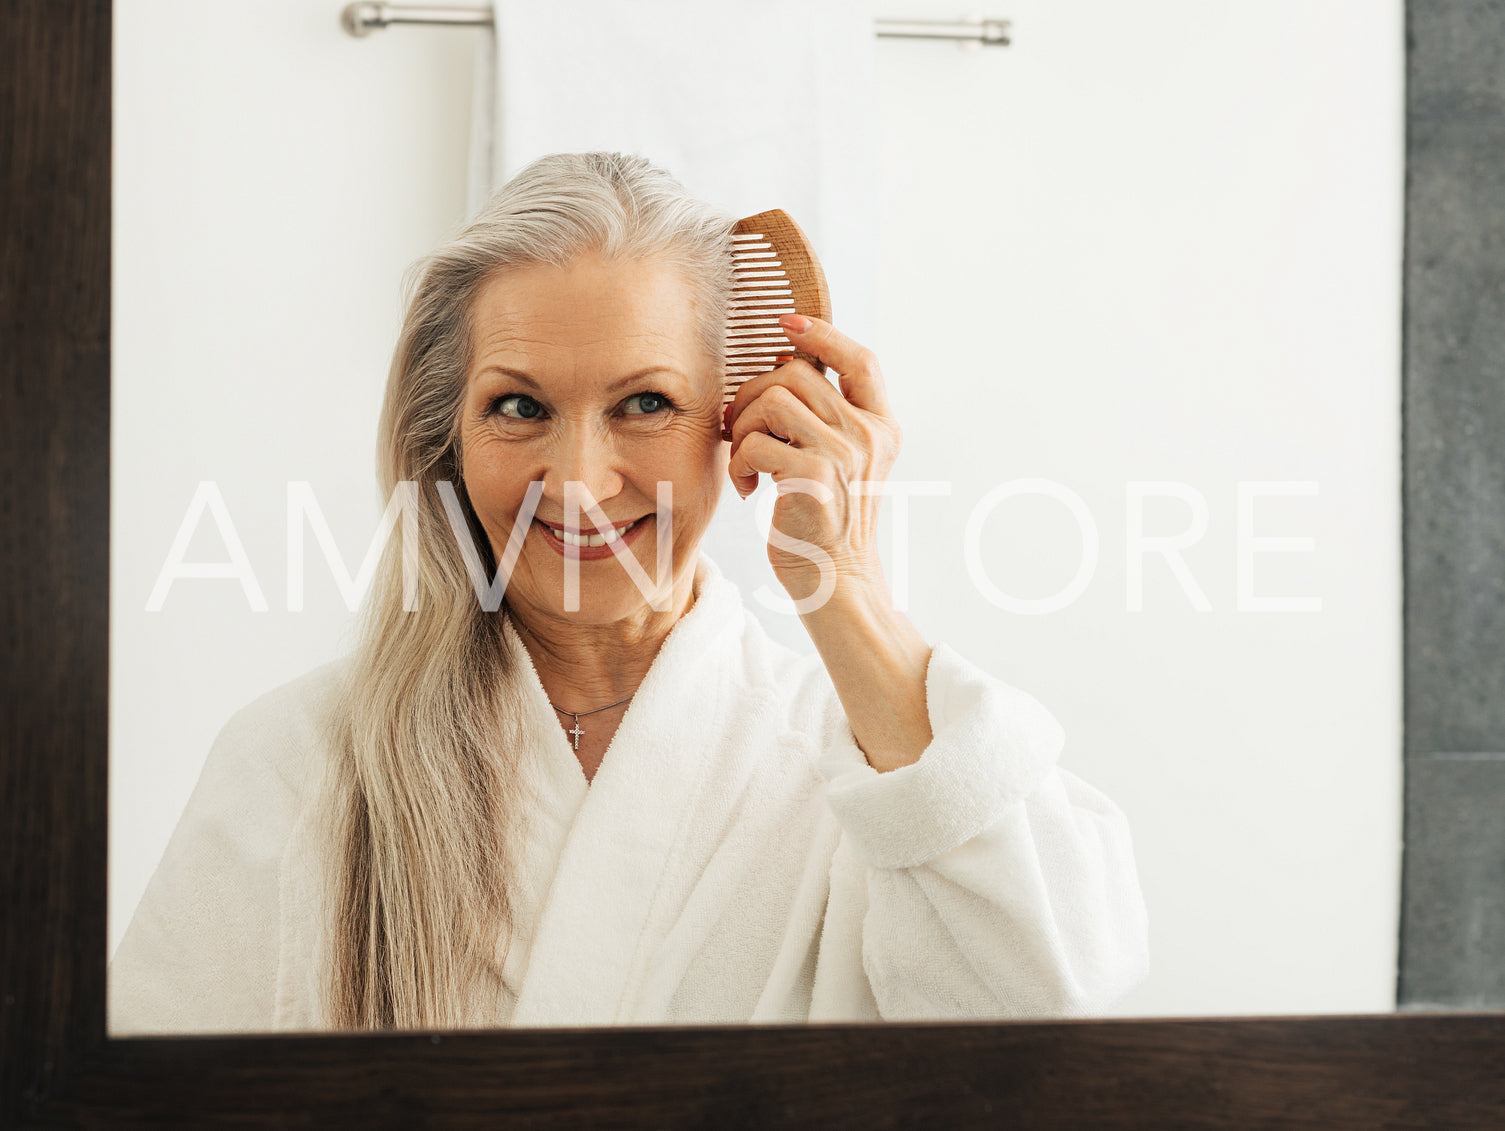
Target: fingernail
[(796, 322), (726, 415)]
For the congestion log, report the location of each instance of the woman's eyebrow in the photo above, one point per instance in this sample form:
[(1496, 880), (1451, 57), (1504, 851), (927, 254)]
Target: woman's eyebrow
[(526, 379)]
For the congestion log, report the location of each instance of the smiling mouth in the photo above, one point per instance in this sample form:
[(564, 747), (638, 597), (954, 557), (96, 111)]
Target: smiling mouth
[(587, 539)]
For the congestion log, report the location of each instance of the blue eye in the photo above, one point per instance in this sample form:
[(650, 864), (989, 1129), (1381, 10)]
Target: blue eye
[(648, 403), (526, 407)]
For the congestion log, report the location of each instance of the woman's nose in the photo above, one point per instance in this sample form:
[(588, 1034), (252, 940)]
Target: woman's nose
[(587, 457)]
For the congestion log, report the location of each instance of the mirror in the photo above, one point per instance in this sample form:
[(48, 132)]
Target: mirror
[(1151, 257)]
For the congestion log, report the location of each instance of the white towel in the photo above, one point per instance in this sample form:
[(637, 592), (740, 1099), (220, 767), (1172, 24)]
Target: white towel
[(751, 104)]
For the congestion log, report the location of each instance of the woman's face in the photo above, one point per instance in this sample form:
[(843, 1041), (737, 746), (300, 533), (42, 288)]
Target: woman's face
[(592, 374)]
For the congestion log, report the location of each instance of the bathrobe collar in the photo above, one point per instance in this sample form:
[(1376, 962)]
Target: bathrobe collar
[(620, 830)]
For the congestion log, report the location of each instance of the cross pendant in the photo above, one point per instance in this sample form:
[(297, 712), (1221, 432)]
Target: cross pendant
[(577, 732)]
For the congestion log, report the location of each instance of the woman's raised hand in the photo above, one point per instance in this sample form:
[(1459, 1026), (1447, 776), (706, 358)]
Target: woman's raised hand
[(795, 425)]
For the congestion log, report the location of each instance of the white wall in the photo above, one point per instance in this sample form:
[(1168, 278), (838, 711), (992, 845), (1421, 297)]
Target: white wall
[(1147, 242), (273, 177)]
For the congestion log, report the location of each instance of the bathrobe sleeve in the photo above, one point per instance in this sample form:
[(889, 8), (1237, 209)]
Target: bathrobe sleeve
[(982, 881), (201, 952)]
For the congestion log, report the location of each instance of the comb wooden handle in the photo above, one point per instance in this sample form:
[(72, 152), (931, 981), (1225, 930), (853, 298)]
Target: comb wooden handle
[(811, 295)]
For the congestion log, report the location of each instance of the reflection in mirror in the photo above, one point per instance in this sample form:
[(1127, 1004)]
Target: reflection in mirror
[(1127, 289)]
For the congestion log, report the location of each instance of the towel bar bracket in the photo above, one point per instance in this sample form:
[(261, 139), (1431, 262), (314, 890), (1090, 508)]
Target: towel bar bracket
[(362, 19)]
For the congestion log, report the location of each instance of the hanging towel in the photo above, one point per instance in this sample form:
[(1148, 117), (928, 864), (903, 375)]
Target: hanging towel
[(751, 104)]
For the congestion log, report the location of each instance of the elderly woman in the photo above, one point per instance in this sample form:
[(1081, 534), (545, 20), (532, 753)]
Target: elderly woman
[(634, 807)]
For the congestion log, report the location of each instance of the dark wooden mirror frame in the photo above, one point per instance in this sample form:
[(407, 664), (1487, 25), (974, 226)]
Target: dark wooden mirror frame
[(1406, 1070)]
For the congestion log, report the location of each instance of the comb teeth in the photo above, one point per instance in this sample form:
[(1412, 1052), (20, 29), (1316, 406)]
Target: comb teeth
[(760, 293), (774, 271)]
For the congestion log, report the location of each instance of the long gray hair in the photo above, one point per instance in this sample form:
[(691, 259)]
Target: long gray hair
[(426, 801)]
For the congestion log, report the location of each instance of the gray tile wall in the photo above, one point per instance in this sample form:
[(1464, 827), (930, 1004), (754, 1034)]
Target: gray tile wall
[(1453, 903)]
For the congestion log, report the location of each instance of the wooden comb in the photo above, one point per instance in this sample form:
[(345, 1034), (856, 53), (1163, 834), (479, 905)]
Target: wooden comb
[(774, 272)]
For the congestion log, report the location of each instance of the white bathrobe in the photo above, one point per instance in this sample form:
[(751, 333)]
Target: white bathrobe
[(735, 859)]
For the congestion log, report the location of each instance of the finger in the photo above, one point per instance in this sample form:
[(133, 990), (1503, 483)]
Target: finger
[(755, 421), (861, 381), (795, 393), (760, 452), (780, 412), (799, 377)]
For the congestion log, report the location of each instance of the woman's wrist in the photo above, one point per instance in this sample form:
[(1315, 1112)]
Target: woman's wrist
[(877, 661)]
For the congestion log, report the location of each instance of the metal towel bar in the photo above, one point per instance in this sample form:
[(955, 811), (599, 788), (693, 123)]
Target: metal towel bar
[(363, 18)]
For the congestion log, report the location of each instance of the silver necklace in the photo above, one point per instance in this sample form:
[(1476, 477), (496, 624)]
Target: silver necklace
[(577, 732)]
